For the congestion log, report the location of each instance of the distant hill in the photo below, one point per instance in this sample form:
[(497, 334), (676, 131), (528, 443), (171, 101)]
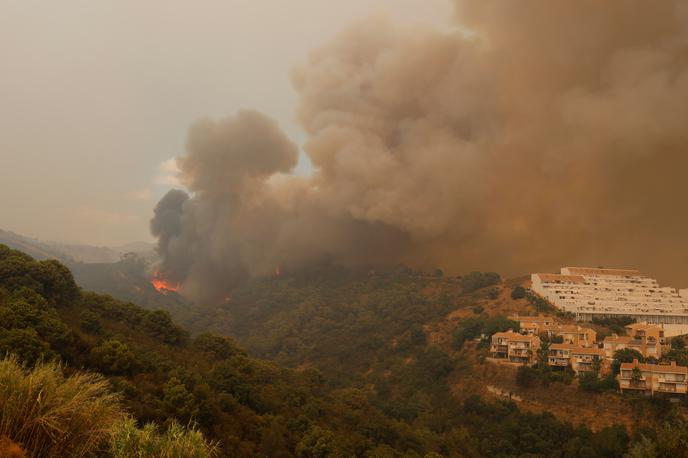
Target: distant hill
[(128, 279), (40, 249)]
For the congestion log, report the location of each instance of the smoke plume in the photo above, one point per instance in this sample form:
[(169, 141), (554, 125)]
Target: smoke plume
[(538, 133)]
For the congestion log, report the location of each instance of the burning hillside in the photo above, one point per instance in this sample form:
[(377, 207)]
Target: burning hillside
[(161, 285)]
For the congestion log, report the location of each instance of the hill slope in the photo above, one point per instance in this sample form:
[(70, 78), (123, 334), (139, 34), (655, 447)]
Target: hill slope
[(400, 406), (72, 252)]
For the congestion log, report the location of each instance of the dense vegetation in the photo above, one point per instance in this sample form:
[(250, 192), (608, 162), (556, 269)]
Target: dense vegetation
[(484, 327), (365, 378), (51, 414), (253, 407)]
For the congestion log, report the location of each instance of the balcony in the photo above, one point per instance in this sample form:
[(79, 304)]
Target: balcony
[(553, 361), (676, 379), (667, 388), (519, 359), (519, 352), (626, 384)]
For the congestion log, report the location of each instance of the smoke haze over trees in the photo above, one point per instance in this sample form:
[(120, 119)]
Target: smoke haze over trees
[(534, 135)]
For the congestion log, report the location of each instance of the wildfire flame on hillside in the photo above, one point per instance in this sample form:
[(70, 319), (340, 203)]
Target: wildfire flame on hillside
[(161, 285)]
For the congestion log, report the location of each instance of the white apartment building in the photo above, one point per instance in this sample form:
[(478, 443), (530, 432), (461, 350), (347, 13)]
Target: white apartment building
[(590, 292)]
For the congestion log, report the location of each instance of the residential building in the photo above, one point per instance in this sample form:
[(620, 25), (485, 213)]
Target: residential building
[(580, 359), (653, 378), (515, 347), (584, 359), (572, 334), (604, 293), (560, 354), (646, 332), (533, 325), (646, 347)]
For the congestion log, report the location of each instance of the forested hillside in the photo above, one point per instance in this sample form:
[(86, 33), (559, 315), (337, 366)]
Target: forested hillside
[(253, 407), (394, 401)]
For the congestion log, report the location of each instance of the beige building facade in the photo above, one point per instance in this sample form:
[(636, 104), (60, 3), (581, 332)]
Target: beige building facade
[(652, 379), (580, 359), (514, 347)]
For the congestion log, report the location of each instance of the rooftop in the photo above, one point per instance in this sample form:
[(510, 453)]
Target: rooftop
[(599, 271), (515, 336)]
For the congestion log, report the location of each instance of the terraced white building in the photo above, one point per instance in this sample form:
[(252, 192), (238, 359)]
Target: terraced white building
[(589, 292)]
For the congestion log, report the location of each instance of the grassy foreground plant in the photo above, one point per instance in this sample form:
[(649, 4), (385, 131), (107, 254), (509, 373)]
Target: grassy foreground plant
[(49, 414), (176, 442)]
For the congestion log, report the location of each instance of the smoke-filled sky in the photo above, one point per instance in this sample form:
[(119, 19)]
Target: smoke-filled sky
[(551, 134), (509, 135), (96, 95)]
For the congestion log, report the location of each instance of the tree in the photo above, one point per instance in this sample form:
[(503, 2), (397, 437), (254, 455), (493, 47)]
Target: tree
[(518, 293), (476, 280), (26, 344), (677, 343), (493, 293), (159, 324), (436, 363), (113, 357), (178, 402), (636, 376), (90, 323), (589, 381), (525, 376), (220, 347), (319, 443), (626, 355)]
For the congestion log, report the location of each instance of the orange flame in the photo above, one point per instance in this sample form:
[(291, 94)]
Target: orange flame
[(161, 285), (278, 270)]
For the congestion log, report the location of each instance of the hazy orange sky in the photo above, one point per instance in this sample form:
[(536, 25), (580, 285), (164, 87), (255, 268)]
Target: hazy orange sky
[(97, 95)]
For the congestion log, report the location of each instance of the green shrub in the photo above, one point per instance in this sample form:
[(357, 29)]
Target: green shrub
[(176, 442), (541, 304), (677, 343), (178, 402), (159, 325), (319, 443), (90, 323), (413, 337), (518, 293), (26, 344), (471, 328), (53, 415), (526, 376), (113, 357), (218, 346)]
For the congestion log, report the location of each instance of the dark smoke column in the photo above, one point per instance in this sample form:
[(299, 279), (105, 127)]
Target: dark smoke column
[(167, 226), (224, 231)]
